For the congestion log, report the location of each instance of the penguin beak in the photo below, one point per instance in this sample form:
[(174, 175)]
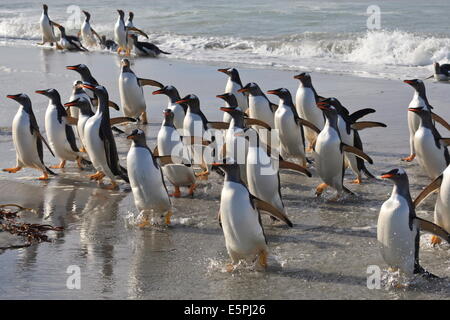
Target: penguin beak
[(323, 105), (88, 86), (13, 96), (299, 76), (226, 109), (131, 136), (223, 70), (182, 101), (275, 92), (416, 110), (71, 103), (410, 82), (41, 91), (221, 96), (386, 175), (161, 91), (243, 90), (72, 67)]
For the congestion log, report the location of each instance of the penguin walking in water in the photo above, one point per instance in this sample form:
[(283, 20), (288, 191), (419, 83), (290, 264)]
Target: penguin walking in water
[(47, 25), (419, 100), (263, 171), (349, 129), (146, 180), (121, 32), (100, 143), (306, 104), (442, 207), (145, 49), (432, 154), (169, 142), (260, 108), (233, 85), (239, 217), (28, 139), (290, 127), (398, 228), (87, 33), (329, 153), (179, 110), (441, 72), (71, 43), (59, 132), (131, 93)]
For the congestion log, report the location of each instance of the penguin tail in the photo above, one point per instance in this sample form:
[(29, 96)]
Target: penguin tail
[(124, 174), (346, 190), (50, 171), (367, 172), (114, 128), (160, 51), (86, 162), (418, 269)]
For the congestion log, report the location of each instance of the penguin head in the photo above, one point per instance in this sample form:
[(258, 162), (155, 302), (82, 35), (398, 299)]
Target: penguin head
[(395, 175), (80, 68), (437, 67), (230, 167), (334, 103), (168, 116), (251, 88), (125, 63), (52, 94), (328, 109), (169, 91), (281, 93), (130, 16), (121, 13), (21, 98), (61, 29), (87, 14), (138, 136), (233, 74), (421, 112), (45, 8), (191, 100), (229, 98), (77, 84), (417, 84), (304, 77), (80, 102), (97, 89)]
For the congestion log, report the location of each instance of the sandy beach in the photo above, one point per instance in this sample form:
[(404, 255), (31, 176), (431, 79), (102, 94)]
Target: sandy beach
[(324, 256)]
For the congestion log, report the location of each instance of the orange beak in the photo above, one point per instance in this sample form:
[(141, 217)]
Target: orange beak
[(88, 86), (158, 92), (223, 70), (71, 68), (182, 101), (413, 110), (387, 176), (40, 91), (131, 137), (272, 92), (322, 105), (70, 104), (226, 109), (243, 90), (408, 81), (299, 76)]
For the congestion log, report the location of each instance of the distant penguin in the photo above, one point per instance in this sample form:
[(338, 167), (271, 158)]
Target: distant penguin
[(179, 110), (100, 143), (170, 143), (87, 32), (27, 139), (131, 93), (67, 42), (146, 49), (121, 32), (432, 155), (59, 132), (329, 153), (305, 103), (146, 180), (239, 216), (47, 25), (398, 228), (233, 85), (441, 72)]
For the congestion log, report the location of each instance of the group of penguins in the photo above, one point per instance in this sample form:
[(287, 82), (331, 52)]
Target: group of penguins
[(125, 36)]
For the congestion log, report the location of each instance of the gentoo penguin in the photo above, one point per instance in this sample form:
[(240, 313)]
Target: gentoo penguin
[(146, 49), (290, 127), (146, 180), (28, 139), (240, 219), (259, 107), (170, 143), (59, 132), (329, 153), (305, 103), (263, 177), (87, 32), (419, 100), (131, 93), (398, 229), (179, 110), (77, 92), (441, 72), (348, 130), (48, 33), (432, 155), (129, 24), (121, 34), (108, 44), (233, 85), (67, 42), (100, 143)]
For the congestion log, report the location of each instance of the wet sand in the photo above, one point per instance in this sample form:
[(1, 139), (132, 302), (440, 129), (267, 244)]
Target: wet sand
[(324, 256)]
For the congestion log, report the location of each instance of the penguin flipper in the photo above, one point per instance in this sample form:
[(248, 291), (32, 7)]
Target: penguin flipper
[(361, 113), (119, 120), (267, 207), (155, 152), (70, 135), (433, 186), (149, 82), (142, 33), (293, 166), (440, 120), (40, 137), (357, 152), (273, 106), (445, 141), (251, 121), (433, 228), (50, 171), (113, 105), (218, 125), (308, 124), (367, 124)]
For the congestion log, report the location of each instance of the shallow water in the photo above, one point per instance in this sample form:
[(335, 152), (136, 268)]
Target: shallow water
[(325, 254)]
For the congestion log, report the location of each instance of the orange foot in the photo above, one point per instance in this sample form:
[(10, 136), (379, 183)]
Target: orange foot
[(435, 240), (410, 158), (144, 223), (320, 188), (192, 189), (229, 267), (176, 193), (12, 170), (44, 177), (113, 186), (167, 217), (83, 150), (262, 259), (97, 176), (59, 166), (357, 181)]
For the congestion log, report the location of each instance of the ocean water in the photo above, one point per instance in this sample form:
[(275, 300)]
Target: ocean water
[(326, 36)]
